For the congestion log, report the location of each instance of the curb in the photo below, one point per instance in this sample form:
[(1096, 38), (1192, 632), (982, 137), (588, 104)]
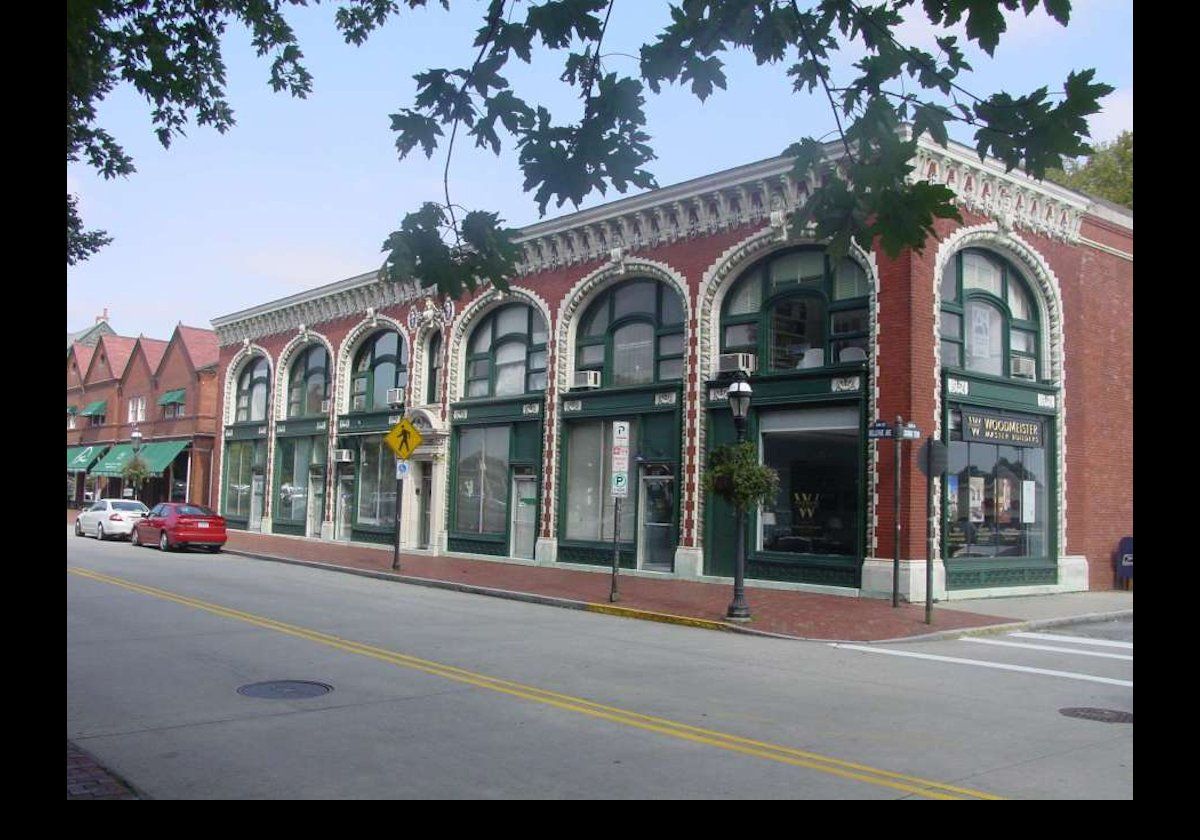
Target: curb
[(669, 618)]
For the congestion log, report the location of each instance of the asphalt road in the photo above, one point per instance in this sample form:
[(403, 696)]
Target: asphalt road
[(439, 694)]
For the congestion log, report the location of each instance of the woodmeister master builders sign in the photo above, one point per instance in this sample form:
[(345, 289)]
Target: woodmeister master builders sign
[(993, 428)]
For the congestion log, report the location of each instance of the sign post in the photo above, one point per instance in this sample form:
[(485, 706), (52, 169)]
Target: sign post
[(620, 490), (402, 440), (933, 464)]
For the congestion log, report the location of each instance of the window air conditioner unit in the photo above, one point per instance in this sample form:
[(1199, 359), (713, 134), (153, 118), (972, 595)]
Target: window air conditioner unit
[(731, 362), (1024, 368), (325, 405), (395, 396), (587, 379), (343, 456)]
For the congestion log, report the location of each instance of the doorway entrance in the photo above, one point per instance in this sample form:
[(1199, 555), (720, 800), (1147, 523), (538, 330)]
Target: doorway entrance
[(656, 519), (345, 506), (316, 502), (258, 484), (424, 504), (524, 515)]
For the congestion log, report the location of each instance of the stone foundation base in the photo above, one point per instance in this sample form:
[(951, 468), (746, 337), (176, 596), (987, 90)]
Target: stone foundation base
[(545, 551), (689, 563), (877, 579)]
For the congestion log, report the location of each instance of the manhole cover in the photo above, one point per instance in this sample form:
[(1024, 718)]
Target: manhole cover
[(1102, 715), (285, 689)]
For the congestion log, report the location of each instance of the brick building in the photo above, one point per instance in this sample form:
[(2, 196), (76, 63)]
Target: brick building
[(167, 390), (1009, 338)]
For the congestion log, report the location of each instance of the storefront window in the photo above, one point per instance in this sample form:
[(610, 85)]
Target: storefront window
[(482, 502), (633, 334), (380, 365), (241, 457), (816, 454), (508, 353), (988, 320), (253, 386), (796, 310), (294, 455), (996, 503), (590, 504), (376, 482), (309, 383)]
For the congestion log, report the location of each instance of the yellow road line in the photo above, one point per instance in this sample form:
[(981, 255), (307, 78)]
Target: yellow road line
[(721, 740)]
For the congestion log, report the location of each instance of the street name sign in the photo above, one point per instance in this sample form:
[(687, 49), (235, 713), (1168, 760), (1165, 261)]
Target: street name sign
[(881, 429)]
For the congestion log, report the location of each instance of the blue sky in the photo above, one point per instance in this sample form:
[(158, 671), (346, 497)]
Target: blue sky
[(301, 193)]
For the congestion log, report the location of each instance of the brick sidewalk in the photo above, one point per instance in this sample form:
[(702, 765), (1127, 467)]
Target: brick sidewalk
[(798, 614), (86, 779)]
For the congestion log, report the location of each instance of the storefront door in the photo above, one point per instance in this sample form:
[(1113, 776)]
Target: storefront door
[(316, 502), (425, 504), (258, 486), (345, 505), (524, 516), (656, 521)]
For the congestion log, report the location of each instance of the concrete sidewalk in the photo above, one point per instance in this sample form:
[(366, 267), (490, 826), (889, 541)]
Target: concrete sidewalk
[(790, 614)]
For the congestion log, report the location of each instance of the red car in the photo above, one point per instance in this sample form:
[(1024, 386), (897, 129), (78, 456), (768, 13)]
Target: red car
[(177, 524)]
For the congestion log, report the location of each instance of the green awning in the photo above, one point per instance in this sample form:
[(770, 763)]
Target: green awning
[(98, 408), (79, 458), (158, 456), (110, 465), (173, 397)]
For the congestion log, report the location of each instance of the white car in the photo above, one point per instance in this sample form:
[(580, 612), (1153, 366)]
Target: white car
[(109, 518)]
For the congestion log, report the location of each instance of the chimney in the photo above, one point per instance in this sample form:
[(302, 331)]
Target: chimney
[(103, 317)]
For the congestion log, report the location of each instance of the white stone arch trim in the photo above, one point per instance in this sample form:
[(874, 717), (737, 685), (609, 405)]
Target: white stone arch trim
[(234, 370), (302, 341), (349, 346), (236, 365), (418, 361), (570, 309), (454, 344), (1047, 295), (716, 282)]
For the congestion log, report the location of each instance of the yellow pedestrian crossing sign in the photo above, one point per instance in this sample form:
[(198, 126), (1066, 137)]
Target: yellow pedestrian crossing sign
[(403, 438)]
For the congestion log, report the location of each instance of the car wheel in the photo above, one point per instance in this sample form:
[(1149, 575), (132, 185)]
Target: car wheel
[(134, 539), (100, 532), (163, 543), (78, 528)]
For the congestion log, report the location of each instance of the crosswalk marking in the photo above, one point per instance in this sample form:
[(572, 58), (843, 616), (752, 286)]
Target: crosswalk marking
[(1070, 675), (1053, 648), (1079, 640)]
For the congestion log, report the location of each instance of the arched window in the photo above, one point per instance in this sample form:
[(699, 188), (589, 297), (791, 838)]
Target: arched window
[(633, 334), (797, 310), (309, 383), (380, 364), (507, 353), (989, 322), (434, 385), (252, 391)]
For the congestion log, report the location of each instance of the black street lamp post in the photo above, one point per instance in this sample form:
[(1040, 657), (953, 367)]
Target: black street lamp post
[(135, 437), (739, 404)]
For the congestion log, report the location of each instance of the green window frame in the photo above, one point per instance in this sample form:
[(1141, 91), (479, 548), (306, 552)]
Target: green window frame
[(796, 309), (507, 349), (624, 316), (308, 385), (435, 366), (254, 391), (973, 284), (381, 363)]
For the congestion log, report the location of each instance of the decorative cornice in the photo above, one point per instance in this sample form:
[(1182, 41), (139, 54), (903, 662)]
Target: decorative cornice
[(343, 299)]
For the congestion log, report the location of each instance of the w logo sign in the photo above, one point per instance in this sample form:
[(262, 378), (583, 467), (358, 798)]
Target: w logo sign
[(806, 504)]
